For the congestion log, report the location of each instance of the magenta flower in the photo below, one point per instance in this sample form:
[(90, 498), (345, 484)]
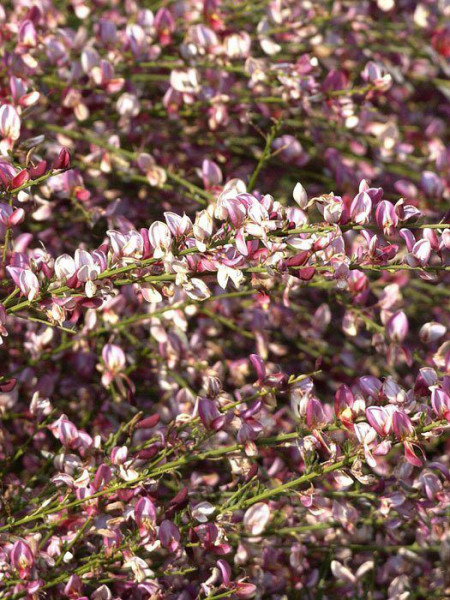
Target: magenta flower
[(209, 414), (402, 425), (22, 558), (145, 516), (315, 414), (440, 401), (63, 160), (411, 455), (170, 536), (7, 172), (343, 404), (9, 216)]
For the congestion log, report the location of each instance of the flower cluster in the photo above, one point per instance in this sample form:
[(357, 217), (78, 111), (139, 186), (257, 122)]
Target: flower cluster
[(225, 258)]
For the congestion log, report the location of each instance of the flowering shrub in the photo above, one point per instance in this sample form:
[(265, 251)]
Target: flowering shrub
[(224, 299)]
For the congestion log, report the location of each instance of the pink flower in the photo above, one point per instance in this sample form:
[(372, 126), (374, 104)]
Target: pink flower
[(20, 179), (361, 208), (114, 359), (102, 477), (225, 570), (332, 207), (65, 267), (22, 558), (3, 331), (65, 431), (165, 25), (20, 93), (211, 174), (380, 418), (259, 366), (431, 184), (209, 414), (440, 401), (128, 244), (386, 217), (237, 45), (73, 587), (145, 515), (402, 425), (88, 271), (7, 172), (343, 404), (212, 538), (160, 238), (257, 518), (178, 226), (430, 483), (371, 386), (156, 175), (421, 251), (410, 454), (397, 327), (27, 34), (366, 436), (169, 536), (26, 281), (9, 122), (291, 150), (315, 414), (376, 74), (9, 216), (245, 590), (128, 105), (63, 160)]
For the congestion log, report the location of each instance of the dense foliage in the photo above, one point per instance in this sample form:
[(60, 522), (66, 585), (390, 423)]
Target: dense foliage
[(225, 243)]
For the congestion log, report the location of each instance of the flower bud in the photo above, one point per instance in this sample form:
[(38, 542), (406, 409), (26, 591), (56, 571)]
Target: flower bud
[(300, 196)]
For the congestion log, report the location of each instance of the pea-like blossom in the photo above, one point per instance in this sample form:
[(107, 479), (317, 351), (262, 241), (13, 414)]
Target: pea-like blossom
[(22, 558), (26, 281)]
